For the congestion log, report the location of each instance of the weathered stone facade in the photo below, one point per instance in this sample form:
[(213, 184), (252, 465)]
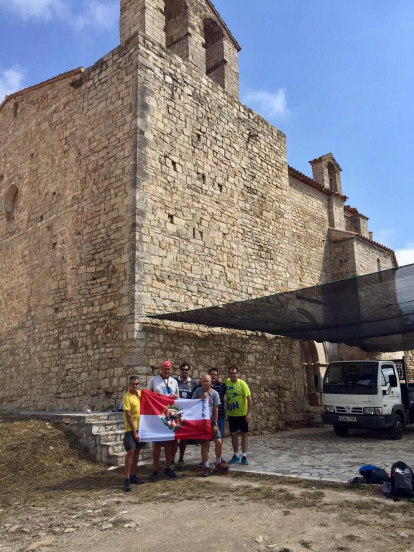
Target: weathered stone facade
[(142, 185)]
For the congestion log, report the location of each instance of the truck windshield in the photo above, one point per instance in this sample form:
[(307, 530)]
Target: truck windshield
[(353, 378)]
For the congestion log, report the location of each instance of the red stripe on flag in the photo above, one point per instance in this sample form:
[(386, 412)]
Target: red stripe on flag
[(195, 429), (153, 404)]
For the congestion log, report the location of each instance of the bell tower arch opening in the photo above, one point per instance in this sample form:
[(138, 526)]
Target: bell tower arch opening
[(176, 27), (214, 45)]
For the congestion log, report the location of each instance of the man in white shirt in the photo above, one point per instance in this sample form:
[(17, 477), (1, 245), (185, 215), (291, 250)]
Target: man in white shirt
[(163, 384)]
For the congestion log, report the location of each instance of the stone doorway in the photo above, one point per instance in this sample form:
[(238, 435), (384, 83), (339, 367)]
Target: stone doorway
[(314, 358)]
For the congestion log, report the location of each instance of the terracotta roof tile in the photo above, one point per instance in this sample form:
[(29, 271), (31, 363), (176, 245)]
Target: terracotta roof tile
[(313, 184)]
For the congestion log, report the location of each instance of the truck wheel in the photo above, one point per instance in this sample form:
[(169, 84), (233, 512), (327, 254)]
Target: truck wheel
[(341, 431), (397, 429)]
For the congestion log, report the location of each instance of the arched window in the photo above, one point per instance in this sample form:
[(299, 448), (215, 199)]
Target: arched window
[(333, 183), (214, 44), (10, 200), (176, 27)]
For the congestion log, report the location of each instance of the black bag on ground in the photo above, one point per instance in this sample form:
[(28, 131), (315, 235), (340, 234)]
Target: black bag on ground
[(402, 481)]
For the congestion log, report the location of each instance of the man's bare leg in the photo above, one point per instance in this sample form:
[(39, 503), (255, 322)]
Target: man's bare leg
[(169, 448), (204, 451), (175, 448), (235, 442), (156, 453), (128, 463), (244, 442), (134, 462), (218, 446), (183, 446)]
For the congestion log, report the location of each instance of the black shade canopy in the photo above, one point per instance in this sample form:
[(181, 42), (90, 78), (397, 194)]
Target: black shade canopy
[(374, 312)]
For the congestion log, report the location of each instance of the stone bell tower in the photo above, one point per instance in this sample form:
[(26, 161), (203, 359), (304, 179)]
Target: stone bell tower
[(191, 29)]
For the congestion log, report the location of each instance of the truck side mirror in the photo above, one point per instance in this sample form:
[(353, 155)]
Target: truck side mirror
[(316, 380), (393, 381)]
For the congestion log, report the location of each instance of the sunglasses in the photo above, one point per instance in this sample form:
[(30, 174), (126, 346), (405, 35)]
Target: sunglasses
[(184, 369), (134, 383)]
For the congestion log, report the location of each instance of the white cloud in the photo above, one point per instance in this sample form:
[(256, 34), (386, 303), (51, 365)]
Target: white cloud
[(11, 80), (384, 237), (100, 14), (268, 104), (405, 256), (34, 9), (103, 15)]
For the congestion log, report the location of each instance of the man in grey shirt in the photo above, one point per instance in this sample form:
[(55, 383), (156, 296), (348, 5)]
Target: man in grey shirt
[(206, 392)]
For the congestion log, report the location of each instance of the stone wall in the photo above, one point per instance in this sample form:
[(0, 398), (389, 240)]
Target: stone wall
[(271, 365), (309, 219), (214, 223), (65, 253), (370, 258)]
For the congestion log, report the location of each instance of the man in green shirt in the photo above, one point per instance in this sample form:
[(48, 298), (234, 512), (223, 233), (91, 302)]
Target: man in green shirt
[(239, 408)]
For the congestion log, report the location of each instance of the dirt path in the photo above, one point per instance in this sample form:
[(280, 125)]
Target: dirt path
[(53, 498), (222, 513)]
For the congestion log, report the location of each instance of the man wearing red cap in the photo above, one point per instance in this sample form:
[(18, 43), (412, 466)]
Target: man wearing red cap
[(163, 384)]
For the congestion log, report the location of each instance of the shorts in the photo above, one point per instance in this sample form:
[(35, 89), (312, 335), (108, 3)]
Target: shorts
[(237, 423), (216, 436), (130, 443)]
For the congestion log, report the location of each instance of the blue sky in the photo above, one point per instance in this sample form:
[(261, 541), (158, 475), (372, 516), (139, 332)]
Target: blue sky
[(335, 76)]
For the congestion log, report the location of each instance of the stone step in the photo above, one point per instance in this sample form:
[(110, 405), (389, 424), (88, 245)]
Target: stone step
[(95, 427), (105, 416), (109, 436)]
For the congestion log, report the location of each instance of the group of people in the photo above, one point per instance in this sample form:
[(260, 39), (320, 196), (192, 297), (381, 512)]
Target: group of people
[(232, 397)]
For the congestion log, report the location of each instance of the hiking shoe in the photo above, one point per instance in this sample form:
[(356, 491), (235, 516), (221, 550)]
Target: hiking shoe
[(181, 464), (127, 485), (169, 473), (244, 461), (235, 460), (173, 465), (206, 472), (135, 480), (154, 477), (222, 466)]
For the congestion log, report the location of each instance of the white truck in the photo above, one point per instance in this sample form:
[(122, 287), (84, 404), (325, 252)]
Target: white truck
[(367, 394)]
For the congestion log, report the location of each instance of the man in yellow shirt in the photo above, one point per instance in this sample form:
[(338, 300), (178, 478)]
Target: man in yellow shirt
[(132, 407)]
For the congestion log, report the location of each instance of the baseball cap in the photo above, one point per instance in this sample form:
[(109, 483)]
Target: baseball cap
[(166, 364)]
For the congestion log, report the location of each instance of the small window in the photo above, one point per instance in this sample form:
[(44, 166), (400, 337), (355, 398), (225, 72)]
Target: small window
[(10, 200), (386, 372)]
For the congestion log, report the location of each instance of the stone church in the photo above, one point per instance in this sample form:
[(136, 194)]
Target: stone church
[(141, 185)]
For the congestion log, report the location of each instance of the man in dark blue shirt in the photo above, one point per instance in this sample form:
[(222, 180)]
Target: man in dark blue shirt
[(220, 387)]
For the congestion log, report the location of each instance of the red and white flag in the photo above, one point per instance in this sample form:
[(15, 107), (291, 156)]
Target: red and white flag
[(165, 419)]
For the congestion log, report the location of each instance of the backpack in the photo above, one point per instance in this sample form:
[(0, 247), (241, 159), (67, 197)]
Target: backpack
[(401, 483), (373, 474)]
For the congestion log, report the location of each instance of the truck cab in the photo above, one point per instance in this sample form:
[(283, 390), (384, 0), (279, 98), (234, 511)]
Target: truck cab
[(365, 394)]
